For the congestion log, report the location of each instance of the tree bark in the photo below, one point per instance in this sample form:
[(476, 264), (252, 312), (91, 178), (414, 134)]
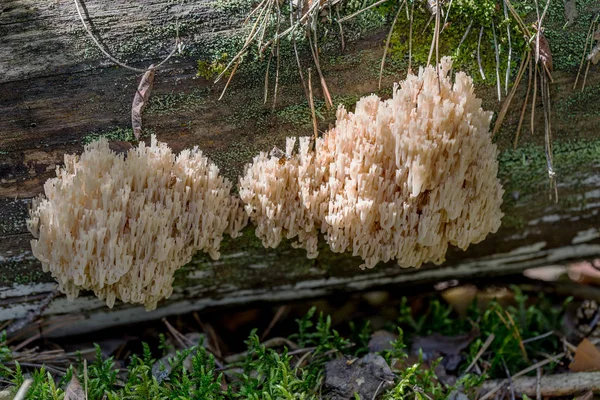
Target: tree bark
[(57, 92)]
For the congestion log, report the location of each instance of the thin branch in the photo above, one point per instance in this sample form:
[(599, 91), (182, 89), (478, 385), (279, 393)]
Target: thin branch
[(410, 33), (464, 36), (498, 84), (510, 382), (534, 100), (499, 385), (337, 12), (276, 76), (482, 350), (513, 90), (266, 94), (387, 43), (522, 117), (585, 50), (556, 385), (507, 77), (23, 389), (229, 80), (312, 109), (362, 10), (446, 18), (479, 53), (315, 53), (33, 314)]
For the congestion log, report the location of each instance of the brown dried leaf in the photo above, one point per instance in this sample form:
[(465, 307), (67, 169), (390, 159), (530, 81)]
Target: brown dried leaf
[(449, 346), (74, 390), (120, 147), (140, 100), (587, 358), (571, 11), (545, 53)]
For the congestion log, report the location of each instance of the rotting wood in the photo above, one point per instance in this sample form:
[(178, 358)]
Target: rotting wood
[(48, 105)]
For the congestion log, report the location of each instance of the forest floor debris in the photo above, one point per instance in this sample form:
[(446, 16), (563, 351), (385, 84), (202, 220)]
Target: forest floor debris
[(426, 346)]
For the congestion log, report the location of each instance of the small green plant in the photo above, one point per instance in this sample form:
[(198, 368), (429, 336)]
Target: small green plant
[(269, 373), (115, 134), (209, 70)]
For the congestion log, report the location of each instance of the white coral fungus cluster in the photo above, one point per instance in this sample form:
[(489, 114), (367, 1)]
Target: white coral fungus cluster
[(397, 179), (121, 226)]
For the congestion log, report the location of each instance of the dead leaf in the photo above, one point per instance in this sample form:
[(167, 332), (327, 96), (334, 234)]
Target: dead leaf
[(450, 347), (571, 13), (74, 390), (545, 54), (587, 358), (120, 147), (140, 100)]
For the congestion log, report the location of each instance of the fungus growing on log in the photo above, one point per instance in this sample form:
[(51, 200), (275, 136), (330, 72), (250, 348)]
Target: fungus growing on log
[(400, 179), (122, 225)]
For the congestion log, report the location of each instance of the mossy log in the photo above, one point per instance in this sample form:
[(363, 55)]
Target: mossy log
[(57, 93)]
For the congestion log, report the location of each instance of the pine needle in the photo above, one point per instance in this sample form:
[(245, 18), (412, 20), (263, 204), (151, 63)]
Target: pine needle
[(585, 49), (498, 84), (312, 108), (387, 42), (479, 54)]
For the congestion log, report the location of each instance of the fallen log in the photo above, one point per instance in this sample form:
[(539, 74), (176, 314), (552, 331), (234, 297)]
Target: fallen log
[(67, 94)]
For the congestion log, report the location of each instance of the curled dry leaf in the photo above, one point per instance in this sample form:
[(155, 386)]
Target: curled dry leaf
[(74, 391), (587, 358), (140, 100), (545, 53), (450, 347)]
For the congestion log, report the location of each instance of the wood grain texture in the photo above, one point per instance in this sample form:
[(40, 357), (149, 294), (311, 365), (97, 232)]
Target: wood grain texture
[(56, 90)]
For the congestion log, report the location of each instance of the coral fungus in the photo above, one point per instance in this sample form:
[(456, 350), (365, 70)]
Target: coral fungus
[(397, 179), (121, 226)]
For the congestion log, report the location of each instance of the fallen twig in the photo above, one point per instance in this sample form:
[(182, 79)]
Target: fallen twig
[(479, 54), (556, 385), (387, 42), (362, 10), (502, 383), (23, 389), (312, 108), (486, 344)]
